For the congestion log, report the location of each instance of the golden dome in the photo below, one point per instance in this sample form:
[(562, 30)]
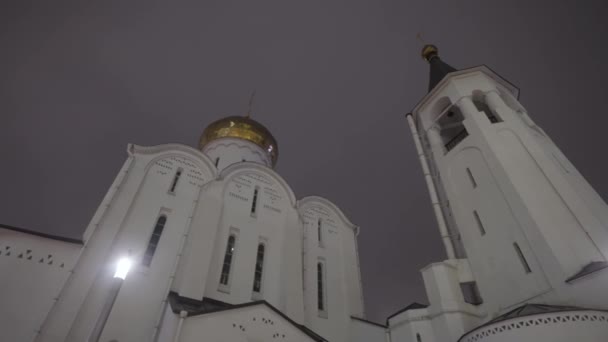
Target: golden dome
[(241, 127)]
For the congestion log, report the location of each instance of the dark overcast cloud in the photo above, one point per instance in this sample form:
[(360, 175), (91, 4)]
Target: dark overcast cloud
[(80, 80)]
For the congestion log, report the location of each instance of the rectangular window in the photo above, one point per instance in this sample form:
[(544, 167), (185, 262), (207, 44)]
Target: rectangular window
[(470, 293), (479, 224), (259, 267), (471, 178), (154, 240), (522, 258), (321, 290), (228, 258)]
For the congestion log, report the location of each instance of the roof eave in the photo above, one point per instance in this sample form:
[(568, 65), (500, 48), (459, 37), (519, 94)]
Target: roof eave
[(483, 68)]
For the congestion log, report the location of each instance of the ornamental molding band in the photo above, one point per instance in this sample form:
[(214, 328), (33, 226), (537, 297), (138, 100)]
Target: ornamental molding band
[(236, 170), (588, 325), (241, 146), (175, 151), (317, 201)]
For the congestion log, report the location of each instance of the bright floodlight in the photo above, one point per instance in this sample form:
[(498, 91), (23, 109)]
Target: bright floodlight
[(122, 268)]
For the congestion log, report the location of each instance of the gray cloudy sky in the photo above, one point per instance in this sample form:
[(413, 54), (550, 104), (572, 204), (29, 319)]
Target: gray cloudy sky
[(81, 79)]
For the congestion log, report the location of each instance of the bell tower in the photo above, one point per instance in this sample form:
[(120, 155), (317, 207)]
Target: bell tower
[(507, 199)]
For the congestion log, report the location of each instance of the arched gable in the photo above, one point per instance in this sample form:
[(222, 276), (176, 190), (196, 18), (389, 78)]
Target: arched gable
[(186, 154), (312, 201), (244, 168)]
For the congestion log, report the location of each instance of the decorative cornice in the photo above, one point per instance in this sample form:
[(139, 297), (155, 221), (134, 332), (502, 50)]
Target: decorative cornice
[(226, 142), (368, 322), (308, 200), (531, 323), (176, 300), (446, 263), (484, 69), (42, 235), (133, 149), (428, 316), (238, 168)]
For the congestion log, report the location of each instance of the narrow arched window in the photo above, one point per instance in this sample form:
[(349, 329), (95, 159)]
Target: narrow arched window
[(259, 266), (217, 161), (254, 202), (154, 239), (482, 230), (418, 338), (225, 277), (319, 232), (320, 287), (178, 174), (522, 258), (471, 178)]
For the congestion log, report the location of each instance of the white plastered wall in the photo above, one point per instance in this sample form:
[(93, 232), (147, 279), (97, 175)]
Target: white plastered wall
[(251, 323), (337, 251), (361, 331), (122, 226), (406, 326), (273, 223), (33, 270)]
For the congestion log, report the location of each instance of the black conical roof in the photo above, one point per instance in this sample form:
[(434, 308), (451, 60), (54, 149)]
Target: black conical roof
[(438, 67)]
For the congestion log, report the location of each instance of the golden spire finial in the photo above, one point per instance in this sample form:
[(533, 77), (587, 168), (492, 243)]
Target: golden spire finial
[(250, 104), (429, 51)]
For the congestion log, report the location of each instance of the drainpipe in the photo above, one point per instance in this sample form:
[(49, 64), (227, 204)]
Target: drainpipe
[(443, 229), (182, 315)]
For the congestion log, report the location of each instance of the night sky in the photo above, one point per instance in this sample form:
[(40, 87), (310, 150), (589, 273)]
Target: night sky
[(80, 80)]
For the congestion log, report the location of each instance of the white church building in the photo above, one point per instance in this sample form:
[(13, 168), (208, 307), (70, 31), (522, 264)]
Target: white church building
[(211, 244)]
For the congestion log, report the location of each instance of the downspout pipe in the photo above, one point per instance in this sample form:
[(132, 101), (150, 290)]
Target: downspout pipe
[(443, 229), (182, 315)]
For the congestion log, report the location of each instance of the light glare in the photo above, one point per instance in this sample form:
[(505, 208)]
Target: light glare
[(122, 268)]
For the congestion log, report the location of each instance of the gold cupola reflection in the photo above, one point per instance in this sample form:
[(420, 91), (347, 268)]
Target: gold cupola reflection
[(241, 127)]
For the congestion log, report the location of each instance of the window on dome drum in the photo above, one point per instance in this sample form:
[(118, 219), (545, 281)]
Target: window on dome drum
[(154, 239), (483, 107), (418, 338), (217, 161), (321, 289), (228, 256), (254, 202), (259, 265), (471, 178), (522, 258), (320, 232), (178, 174), (479, 224)]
